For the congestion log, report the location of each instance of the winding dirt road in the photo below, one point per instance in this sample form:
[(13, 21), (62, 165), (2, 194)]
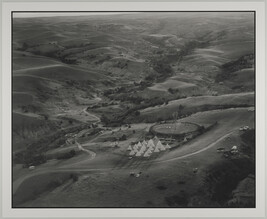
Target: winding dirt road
[(91, 115), (68, 168)]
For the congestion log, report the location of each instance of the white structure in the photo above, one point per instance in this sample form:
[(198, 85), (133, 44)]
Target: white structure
[(146, 148), (167, 146), (155, 140), (144, 143), (150, 144), (139, 145), (156, 150), (147, 153), (138, 154), (234, 148), (159, 146), (143, 148), (132, 153), (135, 147), (135, 150), (129, 148), (31, 167)]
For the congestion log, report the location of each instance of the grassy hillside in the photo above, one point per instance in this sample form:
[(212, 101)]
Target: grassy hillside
[(194, 104), (28, 128)]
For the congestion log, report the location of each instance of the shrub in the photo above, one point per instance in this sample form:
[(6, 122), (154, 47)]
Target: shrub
[(123, 138), (74, 177), (137, 113), (66, 155)]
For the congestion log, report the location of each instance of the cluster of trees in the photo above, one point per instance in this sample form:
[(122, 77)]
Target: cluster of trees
[(224, 176), (173, 91), (34, 154), (74, 177), (248, 145), (118, 118), (123, 138), (120, 89), (189, 47), (30, 108), (121, 64), (66, 155), (246, 61), (227, 69), (31, 159)]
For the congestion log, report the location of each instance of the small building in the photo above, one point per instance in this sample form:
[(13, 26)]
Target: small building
[(234, 150), (219, 150), (31, 167)]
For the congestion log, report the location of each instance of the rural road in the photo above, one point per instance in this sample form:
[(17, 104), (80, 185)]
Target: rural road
[(92, 115), (19, 181), (81, 148), (36, 68), (198, 151), (92, 154)]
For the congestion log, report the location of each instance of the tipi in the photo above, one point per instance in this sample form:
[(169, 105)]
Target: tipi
[(167, 146), (150, 144), (143, 148), (156, 149), (160, 146), (147, 153), (129, 148), (132, 153), (135, 147), (135, 150), (139, 144), (155, 140), (138, 154), (144, 143)]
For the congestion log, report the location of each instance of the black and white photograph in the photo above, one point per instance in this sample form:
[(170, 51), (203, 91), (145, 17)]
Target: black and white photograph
[(133, 109)]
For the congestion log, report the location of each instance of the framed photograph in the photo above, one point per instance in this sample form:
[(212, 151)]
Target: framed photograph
[(133, 109)]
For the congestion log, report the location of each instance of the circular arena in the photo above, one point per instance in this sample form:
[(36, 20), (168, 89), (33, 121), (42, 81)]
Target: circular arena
[(178, 128)]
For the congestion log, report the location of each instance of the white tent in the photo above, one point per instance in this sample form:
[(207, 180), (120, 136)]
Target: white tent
[(150, 144), (147, 153), (135, 147), (149, 150), (156, 149), (167, 146), (129, 148), (155, 140), (135, 150), (143, 148), (139, 144), (132, 153), (160, 146), (138, 154), (234, 147), (144, 143)]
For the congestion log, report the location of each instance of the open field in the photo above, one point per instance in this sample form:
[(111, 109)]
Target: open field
[(134, 110)]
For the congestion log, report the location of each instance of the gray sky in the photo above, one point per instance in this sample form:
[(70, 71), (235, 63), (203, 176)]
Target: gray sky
[(45, 14)]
